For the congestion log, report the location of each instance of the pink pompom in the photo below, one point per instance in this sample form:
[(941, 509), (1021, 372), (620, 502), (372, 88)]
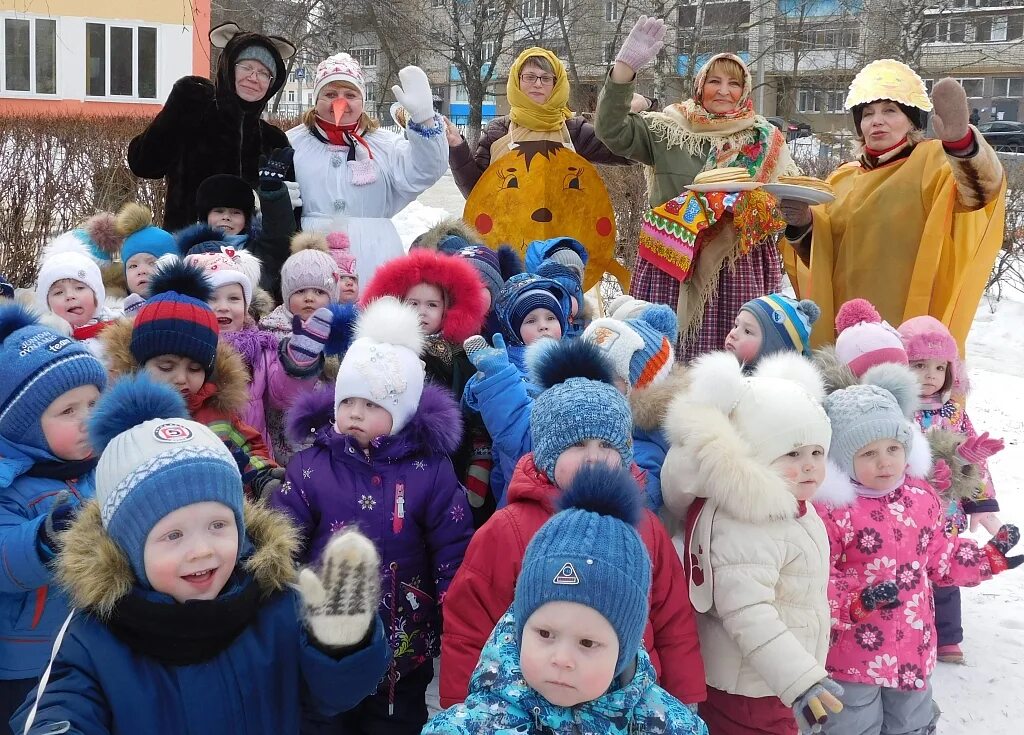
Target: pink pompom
[(856, 311), (338, 241), (102, 229)]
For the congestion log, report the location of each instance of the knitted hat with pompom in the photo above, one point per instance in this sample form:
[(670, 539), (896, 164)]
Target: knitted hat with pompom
[(785, 323), (864, 340), (639, 349)]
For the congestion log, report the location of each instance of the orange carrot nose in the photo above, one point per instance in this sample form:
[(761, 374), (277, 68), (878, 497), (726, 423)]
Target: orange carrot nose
[(339, 107)]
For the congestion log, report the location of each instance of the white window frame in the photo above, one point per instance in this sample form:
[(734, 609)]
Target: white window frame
[(31, 91), (608, 51), (367, 50), (961, 80), (107, 23), (487, 50), (1002, 87), (611, 10)]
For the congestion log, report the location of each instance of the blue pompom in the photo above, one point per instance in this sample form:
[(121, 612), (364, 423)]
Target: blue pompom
[(570, 358), (662, 318), (196, 234), (182, 278), (810, 309), (13, 317), (132, 400), (509, 262), (608, 491), (343, 322)]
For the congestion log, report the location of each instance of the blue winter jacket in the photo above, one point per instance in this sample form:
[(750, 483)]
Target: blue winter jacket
[(31, 608), (648, 406), (500, 702), (254, 683)]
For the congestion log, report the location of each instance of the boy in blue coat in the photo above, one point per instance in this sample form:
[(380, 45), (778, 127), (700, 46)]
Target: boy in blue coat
[(568, 656), (186, 619), (46, 469)]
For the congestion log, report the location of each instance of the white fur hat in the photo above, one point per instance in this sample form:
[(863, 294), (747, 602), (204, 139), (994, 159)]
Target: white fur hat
[(383, 363), (69, 264)]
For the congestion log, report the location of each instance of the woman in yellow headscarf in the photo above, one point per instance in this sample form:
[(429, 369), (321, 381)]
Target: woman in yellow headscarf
[(538, 94), (916, 225)]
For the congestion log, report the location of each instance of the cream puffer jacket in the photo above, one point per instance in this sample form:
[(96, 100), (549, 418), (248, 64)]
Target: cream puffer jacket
[(758, 561)]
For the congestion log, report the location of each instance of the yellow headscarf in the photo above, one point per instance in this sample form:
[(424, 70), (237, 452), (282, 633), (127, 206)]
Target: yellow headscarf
[(527, 113)]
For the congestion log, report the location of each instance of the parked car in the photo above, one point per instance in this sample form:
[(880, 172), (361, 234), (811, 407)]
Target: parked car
[(1004, 135), (793, 130)]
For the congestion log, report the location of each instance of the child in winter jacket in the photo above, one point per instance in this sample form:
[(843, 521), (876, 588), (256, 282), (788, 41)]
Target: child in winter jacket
[(771, 324), (567, 657), (580, 418), (382, 465), (530, 309), (887, 549), (448, 297), (640, 351), (563, 260), (46, 470), (935, 359), (186, 618), (279, 369), (143, 245), (747, 454), (225, 203), (174, 338)]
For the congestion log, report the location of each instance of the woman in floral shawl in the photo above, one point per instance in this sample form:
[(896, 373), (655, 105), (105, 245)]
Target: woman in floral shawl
[(716, 128)]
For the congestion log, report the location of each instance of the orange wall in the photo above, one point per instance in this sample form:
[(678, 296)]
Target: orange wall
[(10, 105), (201, 38)]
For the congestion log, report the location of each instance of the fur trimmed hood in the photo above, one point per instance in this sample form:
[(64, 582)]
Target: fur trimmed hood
[(229, 371), (262, 303), (436, 426), (465, 306), (96, 574), (448, 227), (650, 405), (709, 459), (834, 372)]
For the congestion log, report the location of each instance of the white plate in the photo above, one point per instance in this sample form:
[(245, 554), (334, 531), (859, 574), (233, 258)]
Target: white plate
[(799, 193), (727, 187)]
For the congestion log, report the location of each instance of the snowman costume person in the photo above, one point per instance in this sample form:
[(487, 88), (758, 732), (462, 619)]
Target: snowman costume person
[(348, 168)]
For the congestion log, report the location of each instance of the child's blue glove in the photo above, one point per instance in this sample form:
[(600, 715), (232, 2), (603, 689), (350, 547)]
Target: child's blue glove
[(309, 337), (62, 514), (488, 360)]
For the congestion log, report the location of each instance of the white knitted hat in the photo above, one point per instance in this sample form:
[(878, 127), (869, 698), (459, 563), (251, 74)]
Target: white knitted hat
[(69, 265)]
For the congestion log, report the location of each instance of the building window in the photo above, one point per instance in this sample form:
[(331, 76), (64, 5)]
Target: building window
[(291, 95), (542, 8), (611, 10), (30, 55), (371, 91), (973, 87), (945, 31), (1008, 87), (121, 59), (367, 57), (309, 98), (437, 3), (812, 100), (487, 51), (608, 50)]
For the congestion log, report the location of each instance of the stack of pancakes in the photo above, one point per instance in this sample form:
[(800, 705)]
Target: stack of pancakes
[(727, 175), (808, 182)]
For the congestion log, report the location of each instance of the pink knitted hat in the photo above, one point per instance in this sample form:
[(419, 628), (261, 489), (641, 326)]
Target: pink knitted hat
[(926, 338), (309, 266), (223, 269), (864, 339), (338, 248), (339, 68)]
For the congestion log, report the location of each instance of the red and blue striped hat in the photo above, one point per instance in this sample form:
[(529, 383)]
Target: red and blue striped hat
[(175, 319)]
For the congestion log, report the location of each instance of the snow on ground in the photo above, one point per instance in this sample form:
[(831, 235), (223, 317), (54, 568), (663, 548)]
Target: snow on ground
[(985, 695)]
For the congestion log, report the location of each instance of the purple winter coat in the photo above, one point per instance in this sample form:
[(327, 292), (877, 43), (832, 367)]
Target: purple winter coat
[(276, 381), (405, 497)]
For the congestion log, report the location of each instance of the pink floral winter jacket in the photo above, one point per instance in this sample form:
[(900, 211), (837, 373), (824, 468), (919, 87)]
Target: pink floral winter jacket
[(896, 537)]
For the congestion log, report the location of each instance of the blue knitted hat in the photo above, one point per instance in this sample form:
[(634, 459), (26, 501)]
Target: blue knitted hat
[(523, 293), (154, 460), (39, 366), (786, 324), (565, 277), (591, 554), (639, 350), (135, 222), (579, 402)]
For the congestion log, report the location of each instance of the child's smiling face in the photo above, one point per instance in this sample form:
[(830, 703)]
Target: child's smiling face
[(540, 323), (191, 552), (72, 300)]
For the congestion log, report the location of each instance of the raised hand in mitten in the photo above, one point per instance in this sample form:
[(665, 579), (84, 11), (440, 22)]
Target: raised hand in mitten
[(976, 449), (999, 546), (882, 595), (62, 514), (415, 94), (274, 168), (340, 600), (951, 115), (809, 707), (488, 360), (267, 481), (643, 43), (306, 344)]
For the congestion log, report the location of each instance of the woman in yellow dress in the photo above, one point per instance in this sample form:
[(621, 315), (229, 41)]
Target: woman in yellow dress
[(916, 225)]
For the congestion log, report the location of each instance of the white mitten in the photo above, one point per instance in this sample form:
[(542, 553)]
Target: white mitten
[(340, 601), (294, 194), (414, 94)]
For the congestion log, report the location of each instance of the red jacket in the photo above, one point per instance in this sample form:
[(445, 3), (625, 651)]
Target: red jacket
[(484, 586)]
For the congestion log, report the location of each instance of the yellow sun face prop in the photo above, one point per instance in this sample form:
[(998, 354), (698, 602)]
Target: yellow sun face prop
[(543, 190)]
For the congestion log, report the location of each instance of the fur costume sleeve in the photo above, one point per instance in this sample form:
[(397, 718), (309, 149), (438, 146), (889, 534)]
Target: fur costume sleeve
[(978, 177), (624, 133), (271, 246), (153, 152)]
